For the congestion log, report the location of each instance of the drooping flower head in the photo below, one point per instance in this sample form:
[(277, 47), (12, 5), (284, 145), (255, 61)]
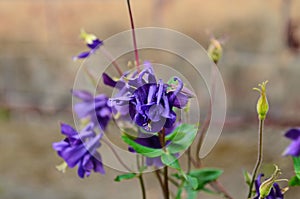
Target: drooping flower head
[(149, 103), (95, 108), (92, 42), (294, 148), (275, 192), (80, 149), (269, 189)]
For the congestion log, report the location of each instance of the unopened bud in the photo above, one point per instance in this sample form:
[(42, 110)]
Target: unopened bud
[(215, 50), (262, 106)]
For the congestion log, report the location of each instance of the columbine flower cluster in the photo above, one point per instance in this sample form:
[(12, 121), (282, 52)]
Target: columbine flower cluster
[(141, 99), (80, 149)]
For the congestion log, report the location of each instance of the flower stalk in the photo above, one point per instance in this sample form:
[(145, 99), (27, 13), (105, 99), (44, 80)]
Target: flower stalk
[(162, 135), (262, 108), (133, 36), (259, 156), (141, 180)]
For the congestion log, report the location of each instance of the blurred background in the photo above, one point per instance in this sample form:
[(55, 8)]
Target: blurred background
[(39, 37)]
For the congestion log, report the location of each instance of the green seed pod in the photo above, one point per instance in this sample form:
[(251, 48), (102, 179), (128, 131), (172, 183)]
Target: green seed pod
[(266, 186)]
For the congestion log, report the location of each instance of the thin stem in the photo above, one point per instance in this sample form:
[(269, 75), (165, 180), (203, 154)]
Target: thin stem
[(166, 182), (116, 154), (160, 181), (133, 36), (114, 63), (189, 161), (141, 180), (161, 136), (259, 156), (219, 187), (170, 179)]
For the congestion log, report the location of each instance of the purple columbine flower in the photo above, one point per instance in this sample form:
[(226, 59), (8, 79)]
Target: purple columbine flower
[(80, 149), (94, 107), (275, 193), (151, 106), (92, 42), (294, 148), (148, 102)]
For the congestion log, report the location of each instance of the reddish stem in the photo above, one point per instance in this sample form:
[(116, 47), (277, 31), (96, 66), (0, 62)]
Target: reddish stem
[(133, 37)]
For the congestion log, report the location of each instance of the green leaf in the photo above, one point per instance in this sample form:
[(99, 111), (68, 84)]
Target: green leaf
[(192, 182), (146, 151), (205, 176), (126, 176), (294, 181), (182, 137), (296, 161), (191, 194), (179, 192), (170, 160)]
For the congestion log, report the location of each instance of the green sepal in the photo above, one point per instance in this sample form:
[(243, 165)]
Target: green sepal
[(247, 177)]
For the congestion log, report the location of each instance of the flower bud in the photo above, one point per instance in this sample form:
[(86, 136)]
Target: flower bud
[(262, 106), (215, 50)]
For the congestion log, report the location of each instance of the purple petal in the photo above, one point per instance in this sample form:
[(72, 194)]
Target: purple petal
[(87, 163), (293, 134), (155, 112), (83, 109), (278, 193), (151, 93), (81, 171), (107, 80), (83, 95), (98, 166), (293, 149), (140, 119), (160, 91), (166, 112), (73, 155), (178, 89), (157, 126), (171, 120), (59, 146), (105, 112), (83, 55), (180, 100), (67, 130), (96, 44), (154, 162)]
